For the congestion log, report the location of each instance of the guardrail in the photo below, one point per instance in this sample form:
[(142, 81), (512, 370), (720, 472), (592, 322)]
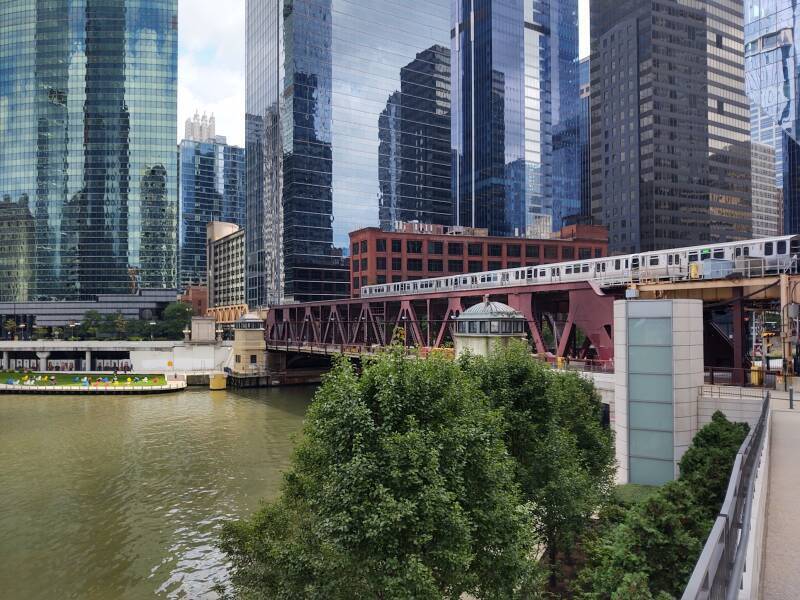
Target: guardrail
[(756, 378), (718, 572)]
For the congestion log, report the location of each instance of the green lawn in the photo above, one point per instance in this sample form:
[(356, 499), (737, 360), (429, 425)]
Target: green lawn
[(74, 379)]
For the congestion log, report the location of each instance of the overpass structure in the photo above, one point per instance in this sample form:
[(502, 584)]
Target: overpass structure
[(566, 319)]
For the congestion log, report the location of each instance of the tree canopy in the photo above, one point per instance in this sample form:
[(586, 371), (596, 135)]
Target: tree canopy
[(401, 487)]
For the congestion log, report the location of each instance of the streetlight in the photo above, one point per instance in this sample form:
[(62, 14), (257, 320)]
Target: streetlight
[(22, 329), (152, 324), (72, 325)]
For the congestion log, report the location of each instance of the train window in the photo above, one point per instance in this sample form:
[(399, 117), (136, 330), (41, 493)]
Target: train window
[(635, 263), (617, 264), (705, 254), (585, 268), (782, 247), (530, 273), (768, 249), (719, 253), (669, 259), (567, 270), (737, 252), (677, 259), (747, 250), (542, 273), (653, 261), (693, 257)]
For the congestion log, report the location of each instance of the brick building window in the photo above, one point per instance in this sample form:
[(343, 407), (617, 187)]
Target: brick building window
[(414, 264), (598, 253), (455, 249), (513, 250), (355, 283), (584, 253), (495, 265), (356, 265), (363, 245), (397, 264), (435, 266), (380, 279), (396, 279), (355, 248), (380, 263), (513, 265), (435, 248), (455, 266), (397, 246), (475, 249), (475, 266), (364, 264), (567, 252), (414, 247), (380, 245), (495, 250), (531, 251), (551, 252)]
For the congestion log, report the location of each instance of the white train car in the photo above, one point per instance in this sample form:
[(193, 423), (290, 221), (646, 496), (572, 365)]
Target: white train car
[(747, 258)]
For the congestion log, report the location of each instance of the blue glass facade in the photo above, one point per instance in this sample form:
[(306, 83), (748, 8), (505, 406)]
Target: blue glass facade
[(87, 129), (319, 76), (584, 131), (212, 188), (771, 72), (515, 114)]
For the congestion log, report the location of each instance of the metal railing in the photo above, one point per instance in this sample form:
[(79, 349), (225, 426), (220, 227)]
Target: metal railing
[(756, 378), (718, 572)]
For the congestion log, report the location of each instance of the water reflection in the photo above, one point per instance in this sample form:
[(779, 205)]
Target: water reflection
[(123, 497)]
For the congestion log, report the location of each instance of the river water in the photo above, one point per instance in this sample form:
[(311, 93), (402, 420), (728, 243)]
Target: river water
[(123, 496)]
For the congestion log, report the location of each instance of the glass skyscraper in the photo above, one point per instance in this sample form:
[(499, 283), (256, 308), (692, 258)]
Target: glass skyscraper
[(329, 83), (515, 114), (212, 188), (87, 131), (772, 68)]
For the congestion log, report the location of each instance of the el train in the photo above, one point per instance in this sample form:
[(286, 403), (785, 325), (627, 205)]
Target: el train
[(747, 258)]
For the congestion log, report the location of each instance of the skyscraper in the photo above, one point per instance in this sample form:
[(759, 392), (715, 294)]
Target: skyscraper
[(319, 74), (88, 95), (584, 130), (767, 196), (515, 114), (772, 66), (670, 135), (414, 151), (212, 188)]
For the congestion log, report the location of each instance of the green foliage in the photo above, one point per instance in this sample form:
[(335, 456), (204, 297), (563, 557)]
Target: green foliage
[(177, 317), (564, 456), (631, 493), (650, 550), (401, 487), (707, 464), (90, 325), (10, 325)]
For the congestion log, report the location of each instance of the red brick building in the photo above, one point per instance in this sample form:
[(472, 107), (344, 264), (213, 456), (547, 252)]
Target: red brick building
[(422, 251)]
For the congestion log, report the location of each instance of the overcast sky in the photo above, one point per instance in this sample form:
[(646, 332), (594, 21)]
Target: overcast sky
[(211, 62)]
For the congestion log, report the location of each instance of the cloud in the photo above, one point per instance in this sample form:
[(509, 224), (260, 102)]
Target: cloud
[(211, 64)]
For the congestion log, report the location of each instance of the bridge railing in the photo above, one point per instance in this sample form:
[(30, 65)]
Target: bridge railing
[(718, 572), (758, 378)]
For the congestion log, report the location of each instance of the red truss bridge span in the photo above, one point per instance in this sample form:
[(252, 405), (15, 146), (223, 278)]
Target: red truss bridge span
[(563, 319)]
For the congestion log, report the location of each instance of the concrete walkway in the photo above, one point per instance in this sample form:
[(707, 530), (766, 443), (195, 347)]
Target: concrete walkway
[(781, 574)]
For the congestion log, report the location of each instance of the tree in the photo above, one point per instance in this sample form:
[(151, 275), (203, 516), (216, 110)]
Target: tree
[(401, 487), (90, 326), (564, 456), (707, 464), (658, 542), (120, 325), (10, 326), (177, 317)]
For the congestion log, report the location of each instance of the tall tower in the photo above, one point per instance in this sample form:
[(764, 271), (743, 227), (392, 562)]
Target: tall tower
[(89, 97), (772, 66), (670, 133), (318, 80), (515, 114)]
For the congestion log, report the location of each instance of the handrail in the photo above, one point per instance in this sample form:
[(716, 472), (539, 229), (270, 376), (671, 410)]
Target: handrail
[(718, 572)]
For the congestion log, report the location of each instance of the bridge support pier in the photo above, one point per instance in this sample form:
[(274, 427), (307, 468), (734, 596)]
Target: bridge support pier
[(42, 356), (276, 361), (5, 360)]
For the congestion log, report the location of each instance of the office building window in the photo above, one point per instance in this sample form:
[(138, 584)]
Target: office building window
[(414, 247), (455, 266), (414, 264), (513, 250), (397, 246), (455, 249), (495, 265), (397, 264), (475, 266), (551, 252), (380, 245), (532, 251), (475, 249), (495, 250), (567, 252), (435, 266), (380, 263), (435, 247)]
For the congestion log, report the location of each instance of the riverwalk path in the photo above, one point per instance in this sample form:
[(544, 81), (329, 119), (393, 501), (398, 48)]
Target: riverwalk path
[(781, 575)]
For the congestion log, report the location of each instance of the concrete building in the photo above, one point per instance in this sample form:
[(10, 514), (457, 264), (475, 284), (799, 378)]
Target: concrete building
[(417, 251), (767, 196), (670, 134), (486, 327), (226, 263)]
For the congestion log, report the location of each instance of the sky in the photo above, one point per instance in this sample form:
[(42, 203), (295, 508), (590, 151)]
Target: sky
[(211, 62)]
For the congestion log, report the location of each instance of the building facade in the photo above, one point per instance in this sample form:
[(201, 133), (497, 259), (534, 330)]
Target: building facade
[(212, 188), (515, 113), (585, 136), (670, 133), (88, 92), (767, 196), (771, 68), (414, 251), (226, 263), (319, 76)]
